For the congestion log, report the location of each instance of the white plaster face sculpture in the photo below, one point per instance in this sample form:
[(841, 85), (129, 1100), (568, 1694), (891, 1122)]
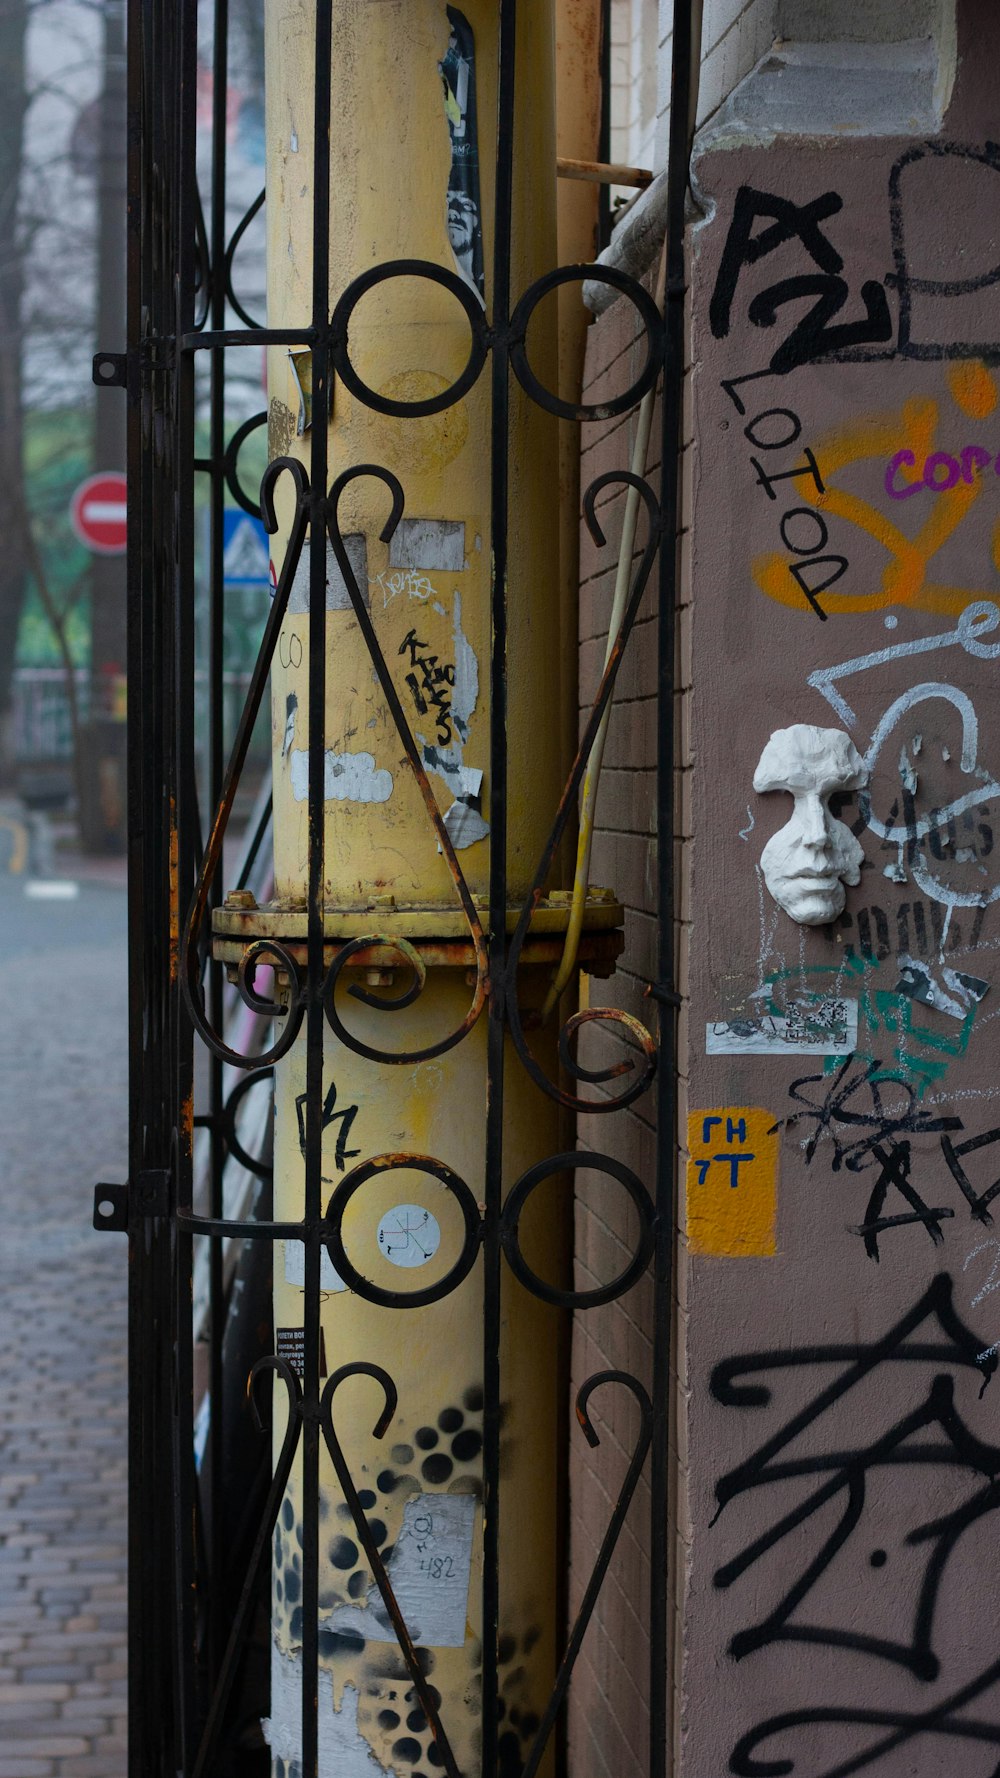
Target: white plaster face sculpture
[(807, 863)]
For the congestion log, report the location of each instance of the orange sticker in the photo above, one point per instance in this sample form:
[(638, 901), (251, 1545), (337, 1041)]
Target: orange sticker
[(732, 1181)]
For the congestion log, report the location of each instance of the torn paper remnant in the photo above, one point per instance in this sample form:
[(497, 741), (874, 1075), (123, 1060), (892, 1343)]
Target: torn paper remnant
[(436, 545), (347, 777), (343, 1750), (429, 1573), (337, 596)]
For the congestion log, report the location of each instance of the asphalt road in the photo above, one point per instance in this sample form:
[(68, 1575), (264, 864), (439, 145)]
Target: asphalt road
[(63, 1114)]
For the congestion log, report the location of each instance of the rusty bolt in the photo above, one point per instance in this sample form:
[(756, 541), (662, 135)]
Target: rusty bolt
[(241, 900)]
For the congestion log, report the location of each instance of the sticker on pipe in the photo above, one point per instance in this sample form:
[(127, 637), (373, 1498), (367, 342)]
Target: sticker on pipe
[(408, 1235)]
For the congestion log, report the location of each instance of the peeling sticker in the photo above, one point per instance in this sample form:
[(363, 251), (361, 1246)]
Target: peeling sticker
[(465, 824), (291, 705), (343, 1750), (464, 217), (918, 983), (429, 1572), (302, 375), (432, 544), (295, 1268), (465, 691), (337, 596), (732, 1181), (463, 820), (822, 1027), (347, 777)]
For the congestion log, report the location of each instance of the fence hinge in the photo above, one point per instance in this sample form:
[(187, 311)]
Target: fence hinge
[(115, 1204), (110, 370)]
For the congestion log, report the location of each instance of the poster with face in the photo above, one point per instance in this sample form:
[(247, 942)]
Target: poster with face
[(464, 214)]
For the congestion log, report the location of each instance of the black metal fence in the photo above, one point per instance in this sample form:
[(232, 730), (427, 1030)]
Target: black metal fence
[(198, 1680)]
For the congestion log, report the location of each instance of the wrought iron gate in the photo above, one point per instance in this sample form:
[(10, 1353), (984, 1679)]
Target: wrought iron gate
[(198, 1568)]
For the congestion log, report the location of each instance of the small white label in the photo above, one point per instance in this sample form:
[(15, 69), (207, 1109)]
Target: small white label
[(409, 1235)]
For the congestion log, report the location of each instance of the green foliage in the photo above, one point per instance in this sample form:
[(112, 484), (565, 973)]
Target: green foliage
[(57, 449)]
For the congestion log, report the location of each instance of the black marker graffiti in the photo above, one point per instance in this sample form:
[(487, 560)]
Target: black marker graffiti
[(979, 1202), (925, 295), (430, 684), (859, 1109), (803, 529), (813, 337), (930, 1432), (894, 1160), (920, 928), (345, 1117), (904, 1726)]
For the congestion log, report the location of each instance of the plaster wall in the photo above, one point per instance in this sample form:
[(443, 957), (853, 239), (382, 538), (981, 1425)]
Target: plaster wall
[(836, 1436), (840, 1606)]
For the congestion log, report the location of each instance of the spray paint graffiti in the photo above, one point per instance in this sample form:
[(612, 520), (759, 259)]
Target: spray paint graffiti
[(853, 1489), (905, 434)]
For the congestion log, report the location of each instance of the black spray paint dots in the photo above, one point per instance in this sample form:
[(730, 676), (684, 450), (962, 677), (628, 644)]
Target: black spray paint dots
[(425, 1437), (466, 1446), (473, 1399), (287, 1515), (436, 1469), (406, 1748), (343, 1553), (293, 1586), (359, 1583), (388, 1720), (402, 1453), (450, 1419)]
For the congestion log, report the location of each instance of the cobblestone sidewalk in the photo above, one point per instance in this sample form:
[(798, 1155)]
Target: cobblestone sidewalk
[(62, 1338)]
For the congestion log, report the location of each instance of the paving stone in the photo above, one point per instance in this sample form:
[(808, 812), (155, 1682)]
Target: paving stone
[(46, 1747), (63, 1346)]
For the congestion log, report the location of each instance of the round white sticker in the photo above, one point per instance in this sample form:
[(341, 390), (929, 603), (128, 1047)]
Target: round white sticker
[(409, 1235)]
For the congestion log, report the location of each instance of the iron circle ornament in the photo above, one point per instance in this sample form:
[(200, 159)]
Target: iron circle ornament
[(570, 1162), (333, 1236), (340, 337), (245, 1085), (649, 314), (231, 464)]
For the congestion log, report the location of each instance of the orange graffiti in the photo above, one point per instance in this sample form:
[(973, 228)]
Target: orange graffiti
[(906, 577)]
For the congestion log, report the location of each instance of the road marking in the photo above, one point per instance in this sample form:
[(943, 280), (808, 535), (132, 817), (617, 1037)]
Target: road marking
[(51, 888)]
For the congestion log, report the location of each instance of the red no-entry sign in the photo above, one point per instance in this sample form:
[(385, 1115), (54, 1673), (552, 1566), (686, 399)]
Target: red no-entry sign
[(97, 511)]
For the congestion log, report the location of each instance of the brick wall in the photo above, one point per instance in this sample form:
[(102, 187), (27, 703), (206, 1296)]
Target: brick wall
[(609, 1712)]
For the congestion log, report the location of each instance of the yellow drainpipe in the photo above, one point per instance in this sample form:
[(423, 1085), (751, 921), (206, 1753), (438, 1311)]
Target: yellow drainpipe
[(428, 593)]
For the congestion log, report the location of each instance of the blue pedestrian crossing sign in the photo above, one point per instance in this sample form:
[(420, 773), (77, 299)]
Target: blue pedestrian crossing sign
[(245, 550)]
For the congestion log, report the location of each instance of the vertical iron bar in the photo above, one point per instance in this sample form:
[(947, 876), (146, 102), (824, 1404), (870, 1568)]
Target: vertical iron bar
[(315, 1017), (145, 916), (216, 665), (177, 488), (604, 128), (499, 478), (672, 421)]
